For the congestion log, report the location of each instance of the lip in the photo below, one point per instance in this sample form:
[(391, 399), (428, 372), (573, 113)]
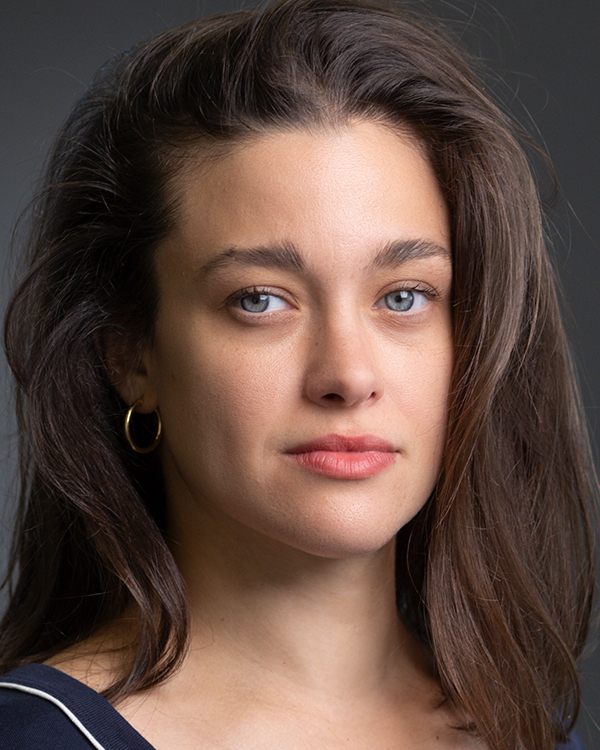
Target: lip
[(344, 456)]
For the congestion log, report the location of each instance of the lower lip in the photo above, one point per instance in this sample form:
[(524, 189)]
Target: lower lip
[(344, 464)]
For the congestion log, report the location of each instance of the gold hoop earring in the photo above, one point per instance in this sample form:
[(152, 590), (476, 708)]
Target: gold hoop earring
[(129, 436)]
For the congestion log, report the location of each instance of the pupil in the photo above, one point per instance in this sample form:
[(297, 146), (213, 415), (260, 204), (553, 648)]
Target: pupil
[(255, 302), (400, 301)]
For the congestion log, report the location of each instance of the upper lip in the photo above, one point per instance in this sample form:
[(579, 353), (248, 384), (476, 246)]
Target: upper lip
[(345, 443)]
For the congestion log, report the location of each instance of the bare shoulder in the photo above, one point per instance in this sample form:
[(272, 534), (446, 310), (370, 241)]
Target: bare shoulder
[(206, 713), (202, 708), (96, 662)]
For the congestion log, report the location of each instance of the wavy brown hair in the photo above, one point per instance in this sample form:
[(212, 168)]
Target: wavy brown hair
[(495, 575)]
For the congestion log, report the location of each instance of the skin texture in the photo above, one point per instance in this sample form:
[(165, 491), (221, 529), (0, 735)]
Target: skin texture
[(296, 641), (236, 389)]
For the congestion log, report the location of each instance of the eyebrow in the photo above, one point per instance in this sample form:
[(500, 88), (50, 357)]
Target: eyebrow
[(285, 256), (400, 251)]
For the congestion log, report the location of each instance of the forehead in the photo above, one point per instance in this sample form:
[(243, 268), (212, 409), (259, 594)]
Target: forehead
[(339, 190)]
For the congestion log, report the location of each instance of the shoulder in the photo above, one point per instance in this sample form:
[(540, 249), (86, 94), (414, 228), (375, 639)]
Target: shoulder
[(31, 715), (28, 723), (574, 743), (42, 708)]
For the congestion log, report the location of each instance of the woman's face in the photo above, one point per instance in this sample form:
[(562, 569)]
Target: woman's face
[(303, 346)]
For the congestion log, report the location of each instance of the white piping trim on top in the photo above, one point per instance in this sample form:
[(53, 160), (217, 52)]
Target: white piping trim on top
[(63, 708)]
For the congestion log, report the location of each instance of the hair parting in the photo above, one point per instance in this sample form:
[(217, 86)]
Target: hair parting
[(496, 573)]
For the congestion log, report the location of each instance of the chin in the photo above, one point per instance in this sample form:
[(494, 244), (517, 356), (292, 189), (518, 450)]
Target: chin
[(343, 549), (343, 535)]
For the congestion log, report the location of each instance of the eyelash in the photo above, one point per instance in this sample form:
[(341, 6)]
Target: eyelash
[(430, 292), (248, 292)]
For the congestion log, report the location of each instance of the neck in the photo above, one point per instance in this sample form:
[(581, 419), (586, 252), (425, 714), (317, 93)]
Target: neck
[(323, 625)]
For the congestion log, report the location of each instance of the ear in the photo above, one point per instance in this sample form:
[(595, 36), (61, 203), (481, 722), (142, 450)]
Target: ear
[(129, 370)]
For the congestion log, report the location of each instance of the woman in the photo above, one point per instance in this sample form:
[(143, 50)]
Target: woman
[(303, 462)]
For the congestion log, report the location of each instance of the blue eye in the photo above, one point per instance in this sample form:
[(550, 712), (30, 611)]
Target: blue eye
[(259, 303), (404, 300)]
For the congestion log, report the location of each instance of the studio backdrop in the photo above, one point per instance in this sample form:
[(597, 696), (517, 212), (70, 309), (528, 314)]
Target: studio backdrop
[(541, 59)]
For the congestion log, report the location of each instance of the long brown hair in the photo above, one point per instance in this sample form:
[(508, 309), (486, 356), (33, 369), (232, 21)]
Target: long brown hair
[(496, 573)]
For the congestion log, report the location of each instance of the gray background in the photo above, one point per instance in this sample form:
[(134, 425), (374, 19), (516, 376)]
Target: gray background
[(542, 58)]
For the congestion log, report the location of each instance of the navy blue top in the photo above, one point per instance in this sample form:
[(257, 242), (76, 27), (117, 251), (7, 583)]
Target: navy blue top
[(42, 708)]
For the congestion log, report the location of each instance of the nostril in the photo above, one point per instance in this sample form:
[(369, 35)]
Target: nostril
[(340, 398)]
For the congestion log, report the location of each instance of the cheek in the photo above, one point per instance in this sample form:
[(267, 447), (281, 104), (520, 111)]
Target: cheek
[(219, 393), (421, 392), (420, 382)]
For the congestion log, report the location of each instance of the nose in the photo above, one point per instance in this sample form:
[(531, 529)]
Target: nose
[(343, 370)]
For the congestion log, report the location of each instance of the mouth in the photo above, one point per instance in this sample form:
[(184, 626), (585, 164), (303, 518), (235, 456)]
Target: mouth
[(344, 456)]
